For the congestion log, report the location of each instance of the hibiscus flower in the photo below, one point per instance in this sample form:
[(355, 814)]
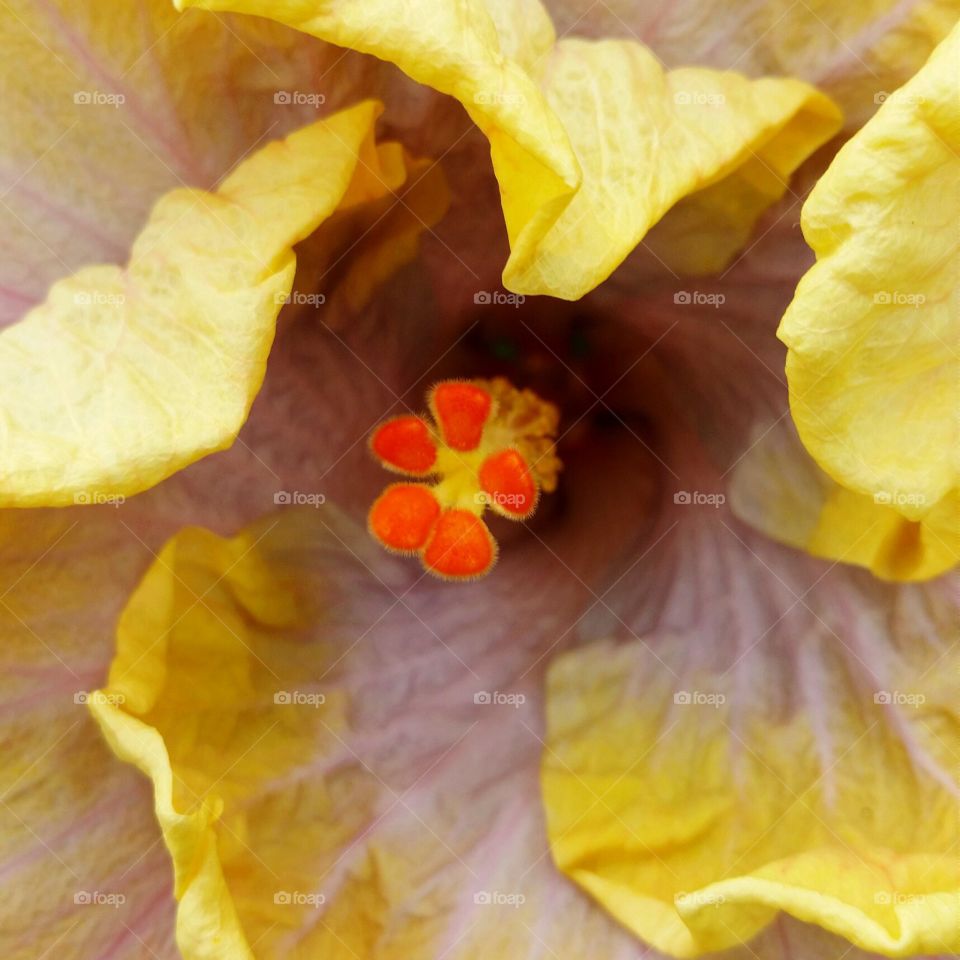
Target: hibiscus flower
[(655, 308)]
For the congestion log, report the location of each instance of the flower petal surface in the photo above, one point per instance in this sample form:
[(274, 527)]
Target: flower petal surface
[(872, 332), (124, 376), (592, 143)]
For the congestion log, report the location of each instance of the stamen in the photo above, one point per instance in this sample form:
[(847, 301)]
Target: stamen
[(493, 446)]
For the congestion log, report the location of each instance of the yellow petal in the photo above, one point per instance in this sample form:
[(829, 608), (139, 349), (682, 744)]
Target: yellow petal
[(696, 803), (76, 824), (779, 489), (591, 142), (124, 376), (207, 603), (646, 138), (330, 782), (873, 330), (106, 108)]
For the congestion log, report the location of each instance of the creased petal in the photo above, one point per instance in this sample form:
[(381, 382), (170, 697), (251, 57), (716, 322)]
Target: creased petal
[(872, 331), (107, 108), (855, 51), (84, 873), (123, 377), (591, 143), (341, 774), (779, 489), (766, 734)]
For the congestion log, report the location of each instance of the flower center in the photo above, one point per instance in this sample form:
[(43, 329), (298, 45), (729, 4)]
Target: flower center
[(485, 446)]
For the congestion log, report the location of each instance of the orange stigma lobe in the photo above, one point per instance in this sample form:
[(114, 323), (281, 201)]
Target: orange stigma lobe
[(461, 546), (462, 410), (509, 485), (405, 444), (402, 517)]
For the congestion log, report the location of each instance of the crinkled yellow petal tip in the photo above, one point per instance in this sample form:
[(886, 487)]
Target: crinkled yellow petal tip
[(193, 702), (592, 142), (695, 817), (873, 330)]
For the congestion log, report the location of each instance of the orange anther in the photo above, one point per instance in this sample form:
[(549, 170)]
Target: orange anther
[(403, 515), (404, 443), (461, 410), (509, 485), (460, 546)]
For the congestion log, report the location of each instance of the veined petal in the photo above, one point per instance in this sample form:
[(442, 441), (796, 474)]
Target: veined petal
[(591, 143), (763, 739), (75, 824), (872, 332), (330, 780), (856, 51), (107, 108), (778, 488), (645, 139), (123, 377)]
